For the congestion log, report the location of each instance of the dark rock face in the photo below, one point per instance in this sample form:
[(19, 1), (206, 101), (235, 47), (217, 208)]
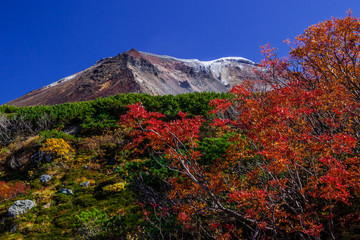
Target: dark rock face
[(18, 161), (185, 84), (140, 72)]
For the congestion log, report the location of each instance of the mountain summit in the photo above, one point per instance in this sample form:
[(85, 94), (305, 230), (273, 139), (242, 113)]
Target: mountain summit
[(140, 72)]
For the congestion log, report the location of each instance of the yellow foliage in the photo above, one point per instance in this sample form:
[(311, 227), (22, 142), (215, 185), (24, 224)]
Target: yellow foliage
[(58, 147), (116, 187), (44, 195), (84, 179)]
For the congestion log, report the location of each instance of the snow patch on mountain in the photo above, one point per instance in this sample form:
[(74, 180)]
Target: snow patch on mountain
[(205, 63), (219, 68), (62, 80)]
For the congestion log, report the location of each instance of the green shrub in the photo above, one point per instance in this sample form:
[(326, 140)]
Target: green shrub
[(53, 133), (91, 223)]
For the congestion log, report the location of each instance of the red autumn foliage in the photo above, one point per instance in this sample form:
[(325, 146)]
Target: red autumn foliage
[(292, 168), (9, 191)]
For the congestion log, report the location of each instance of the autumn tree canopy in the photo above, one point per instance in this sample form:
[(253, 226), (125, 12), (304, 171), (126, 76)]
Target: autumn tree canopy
[(291, 164)]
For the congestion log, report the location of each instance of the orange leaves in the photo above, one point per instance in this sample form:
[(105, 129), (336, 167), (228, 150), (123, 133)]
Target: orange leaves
[(327, 54), (9, 191)]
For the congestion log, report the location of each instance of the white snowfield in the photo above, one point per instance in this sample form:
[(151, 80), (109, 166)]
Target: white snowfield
[(61, 81), (205, 63)]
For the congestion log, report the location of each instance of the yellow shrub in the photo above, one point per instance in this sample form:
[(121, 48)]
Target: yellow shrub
[(44, 195), (116, 187), (59, 148), (84, 179)]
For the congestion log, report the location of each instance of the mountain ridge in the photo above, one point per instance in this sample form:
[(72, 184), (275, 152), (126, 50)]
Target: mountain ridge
[(140, 72)]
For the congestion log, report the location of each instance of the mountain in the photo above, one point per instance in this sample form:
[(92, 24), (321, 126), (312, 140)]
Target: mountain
[(140, 72)]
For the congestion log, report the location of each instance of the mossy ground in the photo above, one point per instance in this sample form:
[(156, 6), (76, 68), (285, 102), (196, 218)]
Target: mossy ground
[(54, 215)]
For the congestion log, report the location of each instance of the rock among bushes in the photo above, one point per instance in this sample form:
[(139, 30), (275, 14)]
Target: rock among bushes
[(66, 191), (20, 207), (45, 178), (85, 184)]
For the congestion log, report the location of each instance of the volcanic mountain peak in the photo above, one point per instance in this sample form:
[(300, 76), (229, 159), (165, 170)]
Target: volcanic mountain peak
[(141, 72)]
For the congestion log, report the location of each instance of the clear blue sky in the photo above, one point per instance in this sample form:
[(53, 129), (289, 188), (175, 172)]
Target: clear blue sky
[(43, 41)]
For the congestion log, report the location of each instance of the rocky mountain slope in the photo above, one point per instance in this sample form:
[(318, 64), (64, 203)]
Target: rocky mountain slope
[(140, 72)]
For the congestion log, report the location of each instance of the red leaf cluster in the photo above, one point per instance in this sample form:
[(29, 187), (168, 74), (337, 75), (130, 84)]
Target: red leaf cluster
[(10, 191)]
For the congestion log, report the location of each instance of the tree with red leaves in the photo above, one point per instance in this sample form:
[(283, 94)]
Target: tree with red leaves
[(292, 167)]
